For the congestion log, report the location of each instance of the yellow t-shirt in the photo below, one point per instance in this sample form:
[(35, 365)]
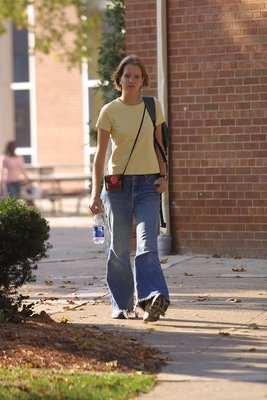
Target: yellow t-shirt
[(122, 121)]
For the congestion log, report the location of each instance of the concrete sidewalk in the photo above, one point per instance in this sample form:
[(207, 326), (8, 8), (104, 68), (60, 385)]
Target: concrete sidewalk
[(214, 333)]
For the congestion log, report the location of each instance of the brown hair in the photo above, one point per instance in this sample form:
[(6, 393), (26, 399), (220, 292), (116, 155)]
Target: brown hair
[(134, 60), (11, 148)]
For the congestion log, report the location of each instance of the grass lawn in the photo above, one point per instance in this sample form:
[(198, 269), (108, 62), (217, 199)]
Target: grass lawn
[(26, 384)]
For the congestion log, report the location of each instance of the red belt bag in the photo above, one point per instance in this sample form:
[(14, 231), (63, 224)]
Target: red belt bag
[(113, 183)]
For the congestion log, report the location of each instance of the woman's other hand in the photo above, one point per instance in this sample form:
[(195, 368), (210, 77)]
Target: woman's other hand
[(161, 184)]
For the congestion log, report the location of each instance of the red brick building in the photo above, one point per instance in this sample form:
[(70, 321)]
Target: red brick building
[(217, 112)]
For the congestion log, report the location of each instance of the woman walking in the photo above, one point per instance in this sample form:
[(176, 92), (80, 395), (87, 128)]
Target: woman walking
[(137, 177), (12, 171)]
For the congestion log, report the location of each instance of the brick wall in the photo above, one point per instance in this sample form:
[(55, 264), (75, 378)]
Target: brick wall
[(141, 36), (59, 113), (217, 57), (59, 106)]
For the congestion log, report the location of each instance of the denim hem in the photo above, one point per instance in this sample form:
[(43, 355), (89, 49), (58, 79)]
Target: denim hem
[(146, 298), (142, 300)]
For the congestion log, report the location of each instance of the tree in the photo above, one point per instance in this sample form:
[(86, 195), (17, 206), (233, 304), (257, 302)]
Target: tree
[(112, 49), (70, 29), (65, 27)]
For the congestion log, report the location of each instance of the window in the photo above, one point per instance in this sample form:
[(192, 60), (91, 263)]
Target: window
[(22, 118), (21, 87), (20, 55)]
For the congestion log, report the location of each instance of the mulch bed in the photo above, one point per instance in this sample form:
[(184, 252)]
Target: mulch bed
[(43, 343)]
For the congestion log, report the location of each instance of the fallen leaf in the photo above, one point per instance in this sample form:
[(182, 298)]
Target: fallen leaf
[(234, 300), (28, 365), (49, 283), (202, 298), (188, 274), (239, 269), (63, 319), (253, 326), (49, 299), (250, 349), (164, 260), (68, 308), (224, 333)]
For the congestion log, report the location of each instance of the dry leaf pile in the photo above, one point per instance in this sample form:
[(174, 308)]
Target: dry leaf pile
[(43, 343)]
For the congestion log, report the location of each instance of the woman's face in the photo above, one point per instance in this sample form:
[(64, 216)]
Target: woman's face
[(131, 80)]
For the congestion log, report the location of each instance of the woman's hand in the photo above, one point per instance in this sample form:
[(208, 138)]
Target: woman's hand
[(95, 205), (161, 184)]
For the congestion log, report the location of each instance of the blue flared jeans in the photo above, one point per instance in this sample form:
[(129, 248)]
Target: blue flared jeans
[(128, 285), (13, 189)]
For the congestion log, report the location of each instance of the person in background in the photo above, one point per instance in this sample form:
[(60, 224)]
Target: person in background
[(12, 171), (142, 183)]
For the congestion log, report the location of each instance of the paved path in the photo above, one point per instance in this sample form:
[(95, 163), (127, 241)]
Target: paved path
[(214, 333)]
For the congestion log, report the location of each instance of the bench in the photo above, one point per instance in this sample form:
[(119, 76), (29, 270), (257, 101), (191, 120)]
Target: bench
[(59, 182), (54, 197)]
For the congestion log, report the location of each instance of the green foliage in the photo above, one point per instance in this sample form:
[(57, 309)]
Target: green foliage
[(47, 384), (64, 27), (112, 49), (23, 237), (13, 308), (14, 11)]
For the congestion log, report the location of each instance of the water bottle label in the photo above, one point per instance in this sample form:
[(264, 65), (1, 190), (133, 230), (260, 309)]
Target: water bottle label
[(98, 231)]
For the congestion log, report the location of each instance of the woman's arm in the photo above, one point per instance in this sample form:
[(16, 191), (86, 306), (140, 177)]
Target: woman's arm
[(95, 203)]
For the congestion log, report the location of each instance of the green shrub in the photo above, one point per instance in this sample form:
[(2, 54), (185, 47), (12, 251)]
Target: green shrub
[(23, 242), (23, 237)]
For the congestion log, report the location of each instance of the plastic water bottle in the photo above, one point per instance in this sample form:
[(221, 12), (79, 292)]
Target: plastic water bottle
[(99, 229)]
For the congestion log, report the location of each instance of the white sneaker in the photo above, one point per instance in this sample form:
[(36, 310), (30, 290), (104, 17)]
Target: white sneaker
[(119, 314)]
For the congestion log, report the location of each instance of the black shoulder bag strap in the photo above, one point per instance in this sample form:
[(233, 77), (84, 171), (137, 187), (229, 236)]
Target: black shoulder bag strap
[(150, 105), (141, 123)]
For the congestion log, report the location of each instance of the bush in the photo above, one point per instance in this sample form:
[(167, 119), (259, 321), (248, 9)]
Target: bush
[(23, 237)]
